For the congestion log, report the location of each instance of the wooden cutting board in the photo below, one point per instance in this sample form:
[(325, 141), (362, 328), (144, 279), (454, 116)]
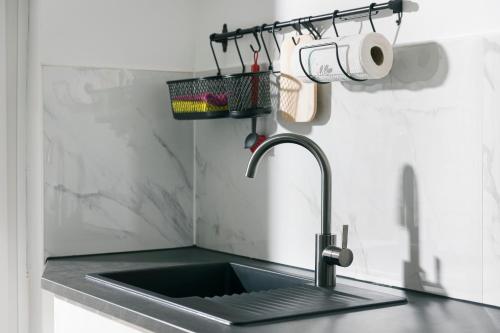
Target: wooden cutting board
[(297, 98)]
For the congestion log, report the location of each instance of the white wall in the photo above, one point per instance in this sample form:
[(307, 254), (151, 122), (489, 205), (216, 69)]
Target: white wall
[(13, 281), (131, 34), (118, 169), (406, 153), (5, 240)]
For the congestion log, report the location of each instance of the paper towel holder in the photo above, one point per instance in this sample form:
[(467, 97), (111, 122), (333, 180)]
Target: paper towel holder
[(334, 15), (376, 53), (310, 77)]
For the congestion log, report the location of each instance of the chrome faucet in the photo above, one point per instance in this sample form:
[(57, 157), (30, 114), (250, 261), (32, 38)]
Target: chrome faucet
[(327, 253)]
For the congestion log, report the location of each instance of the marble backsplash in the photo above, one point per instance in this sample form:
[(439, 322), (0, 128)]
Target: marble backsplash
[(416, 173), (415, 160), (118, 170)]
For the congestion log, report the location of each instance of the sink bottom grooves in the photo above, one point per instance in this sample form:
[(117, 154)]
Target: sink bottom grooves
[(290, 302)]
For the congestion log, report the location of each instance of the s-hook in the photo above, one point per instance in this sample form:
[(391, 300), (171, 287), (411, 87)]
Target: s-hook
[(338, 62), (335, 12), (312, 29), (257, 39), (274, 35), (400, 18), (265, 47), (298, 28), (373, 4), (215, 56), (238, 35)]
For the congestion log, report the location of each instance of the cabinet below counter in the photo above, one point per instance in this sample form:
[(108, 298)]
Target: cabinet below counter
[(74, 318)]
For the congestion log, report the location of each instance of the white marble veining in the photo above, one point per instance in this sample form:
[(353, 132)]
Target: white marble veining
[(406, 154), (491, 170), (415, 160), (118, 169)]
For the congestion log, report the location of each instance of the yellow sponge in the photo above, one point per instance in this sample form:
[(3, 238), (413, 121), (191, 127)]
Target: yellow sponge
[(196, 106)]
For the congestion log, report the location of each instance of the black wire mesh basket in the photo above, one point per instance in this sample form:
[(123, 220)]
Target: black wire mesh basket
[(237, 96)]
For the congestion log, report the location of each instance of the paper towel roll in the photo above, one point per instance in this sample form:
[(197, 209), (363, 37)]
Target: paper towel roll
[(364, 56)]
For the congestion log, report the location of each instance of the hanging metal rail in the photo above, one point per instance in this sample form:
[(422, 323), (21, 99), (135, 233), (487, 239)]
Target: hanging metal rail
[(393, 6), (373, 10)]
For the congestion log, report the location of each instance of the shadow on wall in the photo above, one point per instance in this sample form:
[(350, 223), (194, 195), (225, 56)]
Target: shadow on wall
[(414, 276), (324, 111), (416, 67)]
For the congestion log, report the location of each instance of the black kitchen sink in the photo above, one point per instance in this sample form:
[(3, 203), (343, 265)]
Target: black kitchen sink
[(237, 294), (207, 280)]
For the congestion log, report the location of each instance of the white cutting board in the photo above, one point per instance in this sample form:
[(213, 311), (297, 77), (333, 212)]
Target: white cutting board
[(297, 98)]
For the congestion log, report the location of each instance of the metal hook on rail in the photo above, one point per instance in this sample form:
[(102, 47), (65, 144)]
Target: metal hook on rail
[(265, 47), (373, 4), (257, 39), (335, 13), (274, 36), (312, 29), (298, 28), (215, 56), (238, 35)]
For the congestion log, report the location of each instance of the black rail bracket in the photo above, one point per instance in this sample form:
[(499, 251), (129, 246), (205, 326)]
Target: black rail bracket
[(396, 6), (224, 41)]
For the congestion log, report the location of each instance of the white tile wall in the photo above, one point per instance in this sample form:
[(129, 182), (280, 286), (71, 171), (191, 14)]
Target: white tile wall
[(406, 154), (491, 169), (118, 169), (414, 156)]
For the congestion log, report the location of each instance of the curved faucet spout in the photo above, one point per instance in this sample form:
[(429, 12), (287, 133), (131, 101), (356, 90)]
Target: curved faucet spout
[(326, 178)]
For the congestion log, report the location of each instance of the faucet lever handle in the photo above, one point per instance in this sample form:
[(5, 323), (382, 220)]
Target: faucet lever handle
[(340, 256), (345, 231)]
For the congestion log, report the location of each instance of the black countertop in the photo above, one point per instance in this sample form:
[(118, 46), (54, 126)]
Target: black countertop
[(423, 313)]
